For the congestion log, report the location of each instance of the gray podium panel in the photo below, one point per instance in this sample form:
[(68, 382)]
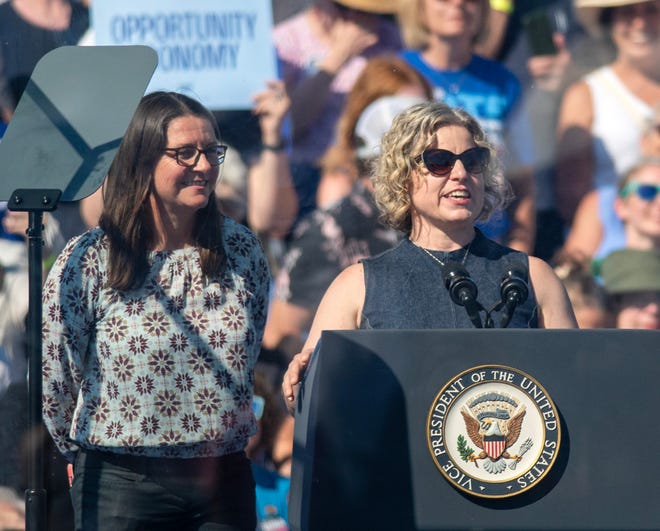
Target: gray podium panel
[(361, 457)]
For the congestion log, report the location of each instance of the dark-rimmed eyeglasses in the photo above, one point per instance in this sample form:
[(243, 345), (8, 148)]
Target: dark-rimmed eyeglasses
[(440, 162), (646, 192), (188, 156)]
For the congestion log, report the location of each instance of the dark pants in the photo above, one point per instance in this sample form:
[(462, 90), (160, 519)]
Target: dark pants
[(116, 492)]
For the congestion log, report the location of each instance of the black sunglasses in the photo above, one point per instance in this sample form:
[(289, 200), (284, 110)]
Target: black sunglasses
[(647, 192), (188, 156), (440, 162)]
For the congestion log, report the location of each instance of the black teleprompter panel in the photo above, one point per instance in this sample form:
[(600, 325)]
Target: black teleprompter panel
[(71, 118)]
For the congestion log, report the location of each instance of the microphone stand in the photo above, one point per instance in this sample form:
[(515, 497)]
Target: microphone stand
[(462, 290), (35, 202), (513, 291)]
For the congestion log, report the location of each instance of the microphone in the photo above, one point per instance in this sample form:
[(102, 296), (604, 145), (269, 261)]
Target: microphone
[(462, 290), (513, 290)]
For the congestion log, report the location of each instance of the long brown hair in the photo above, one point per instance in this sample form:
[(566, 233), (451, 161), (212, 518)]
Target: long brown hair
[(126, 218)]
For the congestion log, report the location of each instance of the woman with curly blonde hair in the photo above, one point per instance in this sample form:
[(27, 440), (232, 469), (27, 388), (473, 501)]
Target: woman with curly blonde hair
[(392, 174), (436, 176)]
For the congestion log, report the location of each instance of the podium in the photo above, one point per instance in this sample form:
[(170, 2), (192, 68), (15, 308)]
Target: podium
[(362, 458)]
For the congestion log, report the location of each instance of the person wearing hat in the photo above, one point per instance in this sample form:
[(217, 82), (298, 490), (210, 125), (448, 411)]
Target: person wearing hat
[(603, 115), (632, 281), (321, 52)]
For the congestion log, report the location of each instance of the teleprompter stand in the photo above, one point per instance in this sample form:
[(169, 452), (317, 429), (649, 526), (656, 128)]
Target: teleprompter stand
[(35, 202), (361, 455), (59, 145)]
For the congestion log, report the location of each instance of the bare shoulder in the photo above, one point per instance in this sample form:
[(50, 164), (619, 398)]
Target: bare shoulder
[(576, 105), (352, 274), (540, 271), (555, 310), (341, 305), (348, 286)]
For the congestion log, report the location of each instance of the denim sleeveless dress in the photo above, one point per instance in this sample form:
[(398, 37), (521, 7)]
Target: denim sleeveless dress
[(405, 287)]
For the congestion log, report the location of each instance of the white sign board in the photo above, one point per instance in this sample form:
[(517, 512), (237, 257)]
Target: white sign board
[(218, 51)]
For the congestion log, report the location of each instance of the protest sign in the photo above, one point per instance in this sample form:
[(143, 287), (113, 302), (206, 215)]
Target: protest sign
[(217, 51)]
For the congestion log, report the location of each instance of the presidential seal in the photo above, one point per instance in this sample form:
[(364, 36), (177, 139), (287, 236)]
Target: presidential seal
[(493, 431)]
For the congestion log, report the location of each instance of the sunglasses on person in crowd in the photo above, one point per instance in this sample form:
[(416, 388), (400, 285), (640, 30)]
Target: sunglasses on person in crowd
[(647, 192), (188, 156), (440, 162)]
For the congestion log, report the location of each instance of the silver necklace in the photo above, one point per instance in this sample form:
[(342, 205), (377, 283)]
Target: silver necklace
[(465, 256)]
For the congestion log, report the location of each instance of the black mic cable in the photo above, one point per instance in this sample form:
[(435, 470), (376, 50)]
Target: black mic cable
[(462, 290), (513, 291)]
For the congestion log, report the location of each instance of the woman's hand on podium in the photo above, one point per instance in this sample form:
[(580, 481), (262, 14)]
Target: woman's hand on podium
[(293, 376)]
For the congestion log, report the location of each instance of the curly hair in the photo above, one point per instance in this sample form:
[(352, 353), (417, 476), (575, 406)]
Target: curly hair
[(411, 132)]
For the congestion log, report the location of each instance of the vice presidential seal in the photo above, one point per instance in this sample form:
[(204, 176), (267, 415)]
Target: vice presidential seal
[(493, 431)]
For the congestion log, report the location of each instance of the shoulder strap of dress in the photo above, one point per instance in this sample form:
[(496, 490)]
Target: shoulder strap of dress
[(635, 107)]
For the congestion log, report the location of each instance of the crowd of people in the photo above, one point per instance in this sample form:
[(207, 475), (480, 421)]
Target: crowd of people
[(402, 136)]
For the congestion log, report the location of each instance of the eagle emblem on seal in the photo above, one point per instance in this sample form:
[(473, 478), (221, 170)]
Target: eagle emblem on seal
[(493, 421)]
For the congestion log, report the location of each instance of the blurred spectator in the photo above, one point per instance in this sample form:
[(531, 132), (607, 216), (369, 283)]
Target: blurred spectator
[(14, 279), (602, 116), (344, 232), (385, 75), (13, 312), (231, 188), (29, 29), (613, 217), (13, 357), (270, 469), (541, 99), (495, 29), (587, 296), (598, 224), (632, 280), (547, 49), (441, 37), (12, 510), (650, 143), (272, 200), (322, 50)]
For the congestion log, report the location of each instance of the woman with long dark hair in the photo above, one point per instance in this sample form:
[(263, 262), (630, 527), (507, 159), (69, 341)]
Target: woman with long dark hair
[(152, 327)]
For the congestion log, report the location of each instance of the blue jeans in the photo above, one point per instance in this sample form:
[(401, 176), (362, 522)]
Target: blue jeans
[(120, 492)]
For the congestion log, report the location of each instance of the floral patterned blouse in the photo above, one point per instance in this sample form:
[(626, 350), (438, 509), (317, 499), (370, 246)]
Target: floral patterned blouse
[(165, 370)]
